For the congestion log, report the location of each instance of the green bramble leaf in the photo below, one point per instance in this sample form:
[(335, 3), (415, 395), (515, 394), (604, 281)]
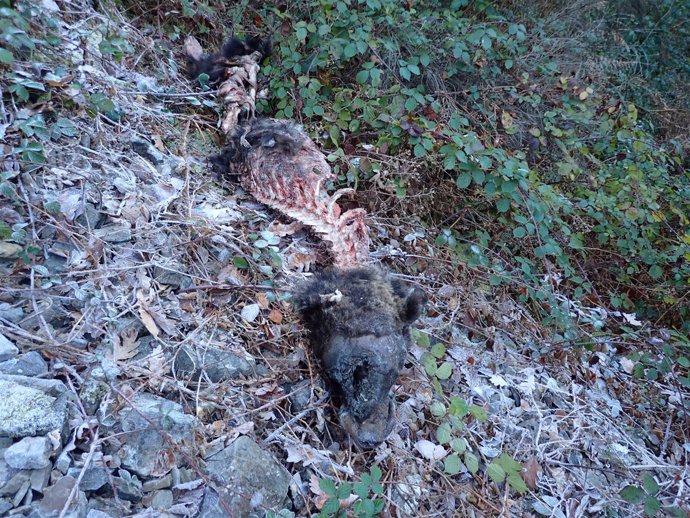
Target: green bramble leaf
[(632, 494)]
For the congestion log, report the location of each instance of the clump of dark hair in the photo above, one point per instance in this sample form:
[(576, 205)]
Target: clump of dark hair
[(267, 138), (359, 321), (214, 64)]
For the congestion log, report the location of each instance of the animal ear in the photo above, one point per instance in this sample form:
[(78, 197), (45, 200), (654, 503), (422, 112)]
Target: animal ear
[(413, 304), (310, 299)]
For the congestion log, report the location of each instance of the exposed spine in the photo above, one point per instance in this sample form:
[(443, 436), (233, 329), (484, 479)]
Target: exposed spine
[(291, 184)]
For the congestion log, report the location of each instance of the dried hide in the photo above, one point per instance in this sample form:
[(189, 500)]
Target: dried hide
[(359, 321)]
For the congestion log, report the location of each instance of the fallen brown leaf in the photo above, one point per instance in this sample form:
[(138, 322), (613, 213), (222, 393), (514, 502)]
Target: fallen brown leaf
[(530, 471), (281, 229), (275, 316), (262, 300), (148, 321)]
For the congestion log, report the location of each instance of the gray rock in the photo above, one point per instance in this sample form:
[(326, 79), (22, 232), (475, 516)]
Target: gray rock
[(55, 497), (6, 472), (94, 477), (173, 279), (158, 483), (15, 483), (128, 487), (27, 411), (11, 313), (92, 393), (162, 499), (186, 475), (28, 364), (91, 216), (252, 481), (51, 387), (19, 495), (144, 444), (300, 395), (29, 453), (215, 364), (7, 349), (39, 478), (107, 371), (5, 505), (55, 263), (148, 151), (63, 462), (114, 233), (108, 505)]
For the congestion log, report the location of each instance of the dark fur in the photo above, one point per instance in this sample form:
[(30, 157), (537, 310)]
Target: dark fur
[(279, 136), (362, 341), (214, 64)]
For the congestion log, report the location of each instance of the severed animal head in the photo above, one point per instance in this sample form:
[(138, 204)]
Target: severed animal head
[(360, 322)]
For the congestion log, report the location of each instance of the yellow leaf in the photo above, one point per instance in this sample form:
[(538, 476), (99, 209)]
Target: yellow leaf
[(658, 216), (506, 120)]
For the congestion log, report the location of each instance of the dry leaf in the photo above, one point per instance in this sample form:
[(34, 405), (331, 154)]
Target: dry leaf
[(126, 346), (631, 319), (628, 365), (230, 274), (281, 229), (429, 450), (163, 322), (506, 120), (71, 203), (266, 389), (148, 321), (9, 250), (498, 380), (309, 455), (262, 300), (9, 215), (165, 461), (155, 364), (250, 312), (192, 48), (321, 497), (301, 262), (158, 142), (530, 471), (54, 80), (275, 316), (243, 429)]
